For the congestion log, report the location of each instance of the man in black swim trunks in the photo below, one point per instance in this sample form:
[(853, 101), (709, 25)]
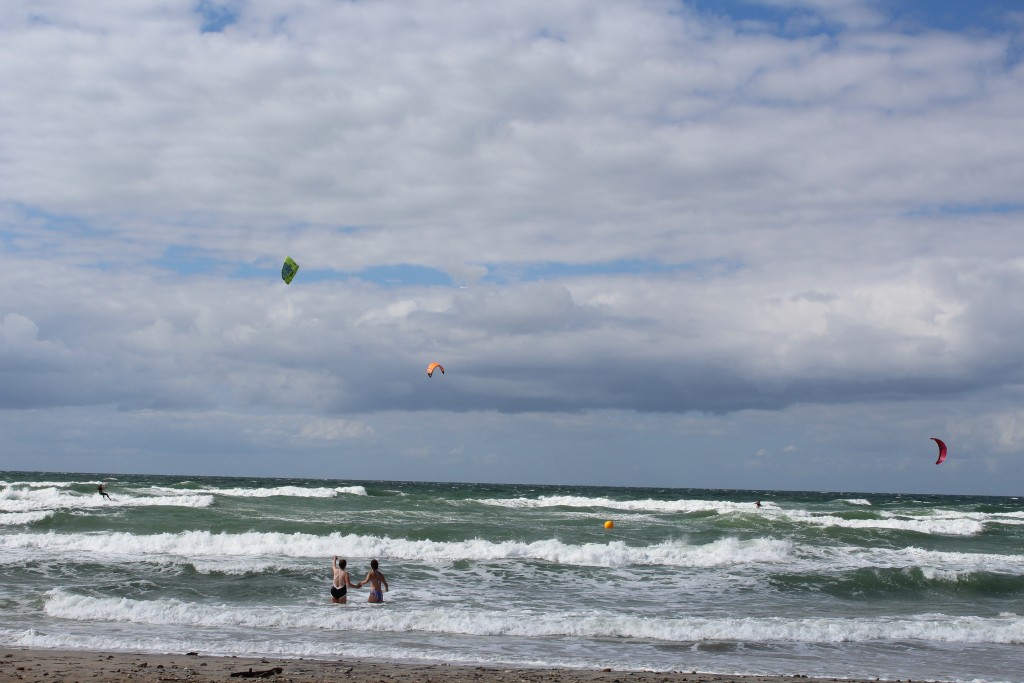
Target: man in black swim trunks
[(341, 581)]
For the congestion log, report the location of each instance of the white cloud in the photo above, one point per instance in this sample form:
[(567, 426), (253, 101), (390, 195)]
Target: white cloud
[(754, 219)]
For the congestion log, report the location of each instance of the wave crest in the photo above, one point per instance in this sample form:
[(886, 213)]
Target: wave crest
[(1006, 629)]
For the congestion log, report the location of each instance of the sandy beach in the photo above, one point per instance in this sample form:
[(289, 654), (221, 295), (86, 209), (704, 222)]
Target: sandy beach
[(48, 666)]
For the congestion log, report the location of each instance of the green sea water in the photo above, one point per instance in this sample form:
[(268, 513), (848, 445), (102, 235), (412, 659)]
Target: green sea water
[(828, 584)]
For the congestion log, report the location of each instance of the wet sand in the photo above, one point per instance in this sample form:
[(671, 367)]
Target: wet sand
[(53, 666)]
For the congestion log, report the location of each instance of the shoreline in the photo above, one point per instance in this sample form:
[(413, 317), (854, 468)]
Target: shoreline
[(87, 666)]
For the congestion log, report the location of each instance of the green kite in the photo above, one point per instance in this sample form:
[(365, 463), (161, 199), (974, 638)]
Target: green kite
[(288, 270)]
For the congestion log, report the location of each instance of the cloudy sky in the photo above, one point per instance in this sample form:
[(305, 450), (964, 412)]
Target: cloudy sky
[(768, 244)]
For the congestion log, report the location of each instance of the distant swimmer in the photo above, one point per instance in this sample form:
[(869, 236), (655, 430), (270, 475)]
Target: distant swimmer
[(341, 582), (375, 579), (103, 492), (757, 504)]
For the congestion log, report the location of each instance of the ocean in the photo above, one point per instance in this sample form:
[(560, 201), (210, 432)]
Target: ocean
[(820, 583)]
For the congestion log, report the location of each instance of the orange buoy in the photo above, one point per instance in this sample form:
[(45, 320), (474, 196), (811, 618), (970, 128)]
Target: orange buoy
[(609, 524)]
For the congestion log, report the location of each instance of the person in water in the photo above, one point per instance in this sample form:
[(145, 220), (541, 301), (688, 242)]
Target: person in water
[(103, 493), (341, 581), (375, 579)]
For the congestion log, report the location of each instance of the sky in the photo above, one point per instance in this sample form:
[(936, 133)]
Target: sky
[(753, 244)]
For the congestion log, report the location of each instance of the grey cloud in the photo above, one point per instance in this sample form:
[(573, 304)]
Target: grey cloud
[(674, 345), (837, 213)]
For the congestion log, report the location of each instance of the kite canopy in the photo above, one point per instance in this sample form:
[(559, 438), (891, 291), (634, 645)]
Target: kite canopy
[(942, 450), (288, 270), (432, 367)]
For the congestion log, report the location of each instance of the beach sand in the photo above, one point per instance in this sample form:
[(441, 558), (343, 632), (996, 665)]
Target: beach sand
[(53, 666)]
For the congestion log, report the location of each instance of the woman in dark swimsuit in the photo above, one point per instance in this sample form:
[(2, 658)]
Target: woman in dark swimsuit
[(375, 579), (341, 581)]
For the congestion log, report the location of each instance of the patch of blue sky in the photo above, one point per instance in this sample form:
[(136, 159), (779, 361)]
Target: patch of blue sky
[(967, 209), (214, 17), (65, 224), (39, 19), (953, 15), (189, 261), (756, 16), (396, 275), (192, 261), (32, 230), (550, 270), (795, 18), (550, 34), (12, 241), (39, 234), (412, 275)]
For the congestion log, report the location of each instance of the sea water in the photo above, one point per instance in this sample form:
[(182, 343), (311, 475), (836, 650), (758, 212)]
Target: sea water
[(825, 584)]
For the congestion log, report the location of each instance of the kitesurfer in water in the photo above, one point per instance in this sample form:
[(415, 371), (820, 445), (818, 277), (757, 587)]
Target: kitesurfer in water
[(102, 492), (375, 578), (757, 504), (341, 581)]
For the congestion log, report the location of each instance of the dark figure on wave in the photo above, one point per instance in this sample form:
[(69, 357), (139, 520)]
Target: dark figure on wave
[(101, 488)]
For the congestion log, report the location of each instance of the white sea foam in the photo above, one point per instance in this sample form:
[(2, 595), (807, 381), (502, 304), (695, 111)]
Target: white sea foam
[(279, 647), (939, 522), (1008, 629), (16, 499), (292, 491), (648, 505), (958, 525), (944, 563), (257, 551), (1007, 518), (203, 544), (200, 545), (353, 490), (14, 518), (944, 574)]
